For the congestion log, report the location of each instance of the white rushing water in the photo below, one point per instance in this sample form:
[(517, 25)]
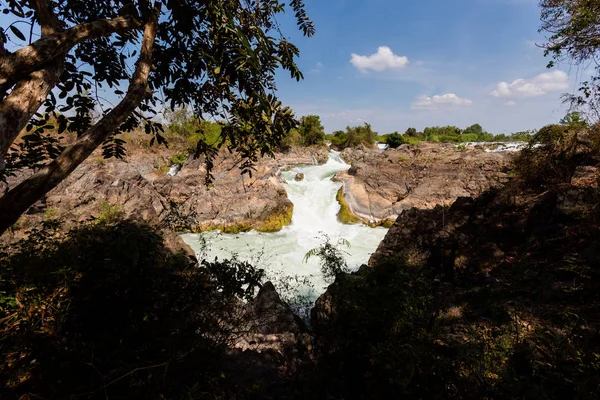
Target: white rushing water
[(282, 253)]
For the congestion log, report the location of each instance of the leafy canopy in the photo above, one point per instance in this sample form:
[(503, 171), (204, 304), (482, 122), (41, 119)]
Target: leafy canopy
[(216, 57)]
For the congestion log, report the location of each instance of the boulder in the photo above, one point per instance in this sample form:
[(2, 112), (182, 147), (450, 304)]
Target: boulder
[(272, 315)]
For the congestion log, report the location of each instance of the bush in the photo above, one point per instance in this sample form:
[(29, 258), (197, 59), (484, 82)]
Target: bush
[(469, 137), (353, 137), (552, 156), (109, 311), (311, 130), (186, 130), (394, 140)]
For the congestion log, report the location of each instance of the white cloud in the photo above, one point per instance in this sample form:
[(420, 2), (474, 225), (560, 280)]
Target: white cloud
[(510, 103), (380, 61), (437, 101), (536, 86)]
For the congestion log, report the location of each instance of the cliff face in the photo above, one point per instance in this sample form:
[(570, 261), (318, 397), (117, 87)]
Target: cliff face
[(381, 185), (140, 188)]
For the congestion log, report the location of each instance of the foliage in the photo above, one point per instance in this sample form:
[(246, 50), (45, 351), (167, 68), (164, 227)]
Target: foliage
[(217, 57), (412, 132), (186, 128), (331, 257), (290, 140), (395, 139), (109, 214), (311, 130), (574, 29), (178, 159), (552, 155), (354, 136), (107, 310)]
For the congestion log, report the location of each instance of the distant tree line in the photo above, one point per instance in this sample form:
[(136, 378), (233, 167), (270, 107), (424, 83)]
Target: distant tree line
[(451, 134)]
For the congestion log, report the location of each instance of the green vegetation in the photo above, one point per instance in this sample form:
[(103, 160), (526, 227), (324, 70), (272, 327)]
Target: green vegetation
[(331, 258), (109, 214), (178, 159), (345, 215), (185, 130), (394, 140), (451, 134), (353, 137), (311, 130)]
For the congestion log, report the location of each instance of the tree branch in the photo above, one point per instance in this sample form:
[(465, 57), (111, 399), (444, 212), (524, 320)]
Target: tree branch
[(14, 203), (48, 21), (14, 66)]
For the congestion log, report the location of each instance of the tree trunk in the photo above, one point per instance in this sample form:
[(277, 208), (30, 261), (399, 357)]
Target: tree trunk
[(24, 101), (14, 203)]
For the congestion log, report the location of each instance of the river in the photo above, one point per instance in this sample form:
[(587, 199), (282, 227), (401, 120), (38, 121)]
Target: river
[(282, 253)]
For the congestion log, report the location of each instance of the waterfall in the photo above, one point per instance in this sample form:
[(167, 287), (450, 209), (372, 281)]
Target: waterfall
[(314, 160), (315, 212)]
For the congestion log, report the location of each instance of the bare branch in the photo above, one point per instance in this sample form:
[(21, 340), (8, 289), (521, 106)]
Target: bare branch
[(14, 203)]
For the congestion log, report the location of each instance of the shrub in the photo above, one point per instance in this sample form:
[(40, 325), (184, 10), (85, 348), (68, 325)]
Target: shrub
[(469, 137), (178, 159), (355, 136), (108, 311), (552, 156), (331, 258), (109, 214), (394, 140)]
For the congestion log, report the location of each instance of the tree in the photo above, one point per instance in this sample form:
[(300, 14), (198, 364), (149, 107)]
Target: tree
[(475, 129), (574, 28), (311, 130), (412, 132), (218, 57), (354, 136), (394, 140)]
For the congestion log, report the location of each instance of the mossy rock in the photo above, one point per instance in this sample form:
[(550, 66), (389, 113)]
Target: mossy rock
[(273, 222), (345, 215)]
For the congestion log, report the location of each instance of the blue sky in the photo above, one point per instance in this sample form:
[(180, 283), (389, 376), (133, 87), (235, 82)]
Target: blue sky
[(399, 64), (428, 62)]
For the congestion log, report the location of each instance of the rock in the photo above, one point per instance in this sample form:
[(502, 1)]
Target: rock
[(140, 190), (272, 315), (299, 177), (175, 244), (379, 186)]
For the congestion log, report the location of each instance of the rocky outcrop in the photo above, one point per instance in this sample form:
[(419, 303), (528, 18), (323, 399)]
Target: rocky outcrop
[(277, 343), (140, 188), (381, 185)]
